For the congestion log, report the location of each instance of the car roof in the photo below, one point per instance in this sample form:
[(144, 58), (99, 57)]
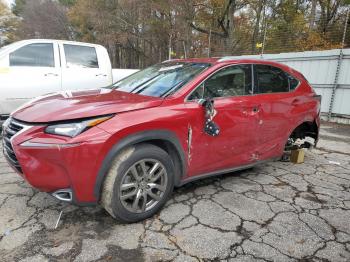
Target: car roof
[(210, 60), (227, 60)]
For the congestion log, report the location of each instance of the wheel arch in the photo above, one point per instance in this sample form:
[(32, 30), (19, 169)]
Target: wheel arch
[(306, 128), (165, 139)]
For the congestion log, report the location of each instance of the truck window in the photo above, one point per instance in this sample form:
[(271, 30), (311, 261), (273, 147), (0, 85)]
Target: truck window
[(80, 56), (39, 54)]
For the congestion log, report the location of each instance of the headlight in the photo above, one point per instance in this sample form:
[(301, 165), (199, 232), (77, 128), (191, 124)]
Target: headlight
[(75, 128)]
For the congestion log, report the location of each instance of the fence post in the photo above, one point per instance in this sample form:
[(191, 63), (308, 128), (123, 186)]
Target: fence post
[(264, 41), (340, 58), (209, 42), (184, 46)]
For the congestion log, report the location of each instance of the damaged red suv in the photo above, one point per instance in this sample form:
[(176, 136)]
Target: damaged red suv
[(127, 146)]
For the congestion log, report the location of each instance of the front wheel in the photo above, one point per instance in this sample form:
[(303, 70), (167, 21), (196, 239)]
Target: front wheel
[(138, 183)]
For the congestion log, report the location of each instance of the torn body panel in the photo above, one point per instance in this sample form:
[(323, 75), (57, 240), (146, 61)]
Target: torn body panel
[(189, 143)]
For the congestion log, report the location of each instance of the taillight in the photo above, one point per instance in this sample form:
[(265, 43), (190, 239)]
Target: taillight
[(318, 98)]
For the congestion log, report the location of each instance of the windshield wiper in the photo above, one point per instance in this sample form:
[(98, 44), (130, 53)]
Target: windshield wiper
[(172, 89), (143, 84)]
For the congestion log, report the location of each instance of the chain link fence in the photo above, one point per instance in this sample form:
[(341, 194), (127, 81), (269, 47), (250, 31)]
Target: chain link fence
[(269, 41)]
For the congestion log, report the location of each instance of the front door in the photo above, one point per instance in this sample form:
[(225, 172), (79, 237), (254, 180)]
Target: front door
[(236, 115)]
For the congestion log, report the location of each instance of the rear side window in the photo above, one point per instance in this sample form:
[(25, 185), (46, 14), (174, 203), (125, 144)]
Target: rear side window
[(39, 54), (293, 82), (270, 79), (80, 56)]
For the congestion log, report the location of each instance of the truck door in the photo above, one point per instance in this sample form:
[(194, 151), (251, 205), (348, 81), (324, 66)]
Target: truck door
[(84, 67), (30, 71)]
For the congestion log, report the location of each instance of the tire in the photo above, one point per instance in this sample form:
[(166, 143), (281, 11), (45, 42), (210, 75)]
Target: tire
[(129, 168)]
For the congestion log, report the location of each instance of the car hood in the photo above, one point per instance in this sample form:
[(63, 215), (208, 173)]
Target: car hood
[(80, 104)]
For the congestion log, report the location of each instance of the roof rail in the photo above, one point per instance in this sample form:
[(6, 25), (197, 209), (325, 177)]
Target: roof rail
[(226, 58)]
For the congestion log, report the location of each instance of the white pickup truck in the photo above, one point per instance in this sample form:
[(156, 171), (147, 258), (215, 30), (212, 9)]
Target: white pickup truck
[(35, 67)]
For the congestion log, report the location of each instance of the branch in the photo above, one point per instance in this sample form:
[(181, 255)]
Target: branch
[(222, 19), (206, 31)]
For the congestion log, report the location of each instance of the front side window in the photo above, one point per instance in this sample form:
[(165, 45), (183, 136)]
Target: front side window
[(270, 79), (231, 81), (39, 55), (161, 79), (80, 56)]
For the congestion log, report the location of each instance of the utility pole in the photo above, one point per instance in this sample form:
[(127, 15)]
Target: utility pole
[(264, 41), (170, 50), (185, 53)]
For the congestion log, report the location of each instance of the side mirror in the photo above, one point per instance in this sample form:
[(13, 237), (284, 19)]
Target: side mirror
[(210, 127), (208, 104)]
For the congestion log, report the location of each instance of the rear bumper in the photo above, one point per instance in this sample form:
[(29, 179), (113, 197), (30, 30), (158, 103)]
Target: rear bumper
[(318, 124)]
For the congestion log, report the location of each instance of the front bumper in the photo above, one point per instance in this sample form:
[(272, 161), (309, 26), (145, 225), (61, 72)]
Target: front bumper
[(50, 163)]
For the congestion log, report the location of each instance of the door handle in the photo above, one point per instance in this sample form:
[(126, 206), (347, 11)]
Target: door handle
[(101, 75), (50, 74)]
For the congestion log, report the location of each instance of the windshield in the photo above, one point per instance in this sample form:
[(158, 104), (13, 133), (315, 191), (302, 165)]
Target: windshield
[(160, 80)]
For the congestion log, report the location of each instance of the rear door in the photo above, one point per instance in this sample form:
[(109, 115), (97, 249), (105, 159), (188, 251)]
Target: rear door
[(84, 66), (32, 70), (274, 91), (237, 117)]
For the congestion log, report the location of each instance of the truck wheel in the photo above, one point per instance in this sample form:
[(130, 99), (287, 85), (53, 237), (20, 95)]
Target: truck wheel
[(138, 183)]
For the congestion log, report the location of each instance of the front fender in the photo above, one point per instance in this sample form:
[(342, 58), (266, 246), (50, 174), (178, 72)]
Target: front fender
[(133, 139)]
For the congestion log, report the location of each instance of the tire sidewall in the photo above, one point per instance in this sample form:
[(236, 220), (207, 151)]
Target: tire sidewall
[(141, 152)]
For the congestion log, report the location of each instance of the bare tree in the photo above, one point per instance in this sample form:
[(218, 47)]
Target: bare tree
[(138, 33), (329, 12), (45, 19)]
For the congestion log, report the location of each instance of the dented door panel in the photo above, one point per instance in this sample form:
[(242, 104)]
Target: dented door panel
[(234, 146), (274, 123)]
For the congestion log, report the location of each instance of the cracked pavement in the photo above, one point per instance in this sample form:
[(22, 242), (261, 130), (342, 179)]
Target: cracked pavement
[(277, 211)]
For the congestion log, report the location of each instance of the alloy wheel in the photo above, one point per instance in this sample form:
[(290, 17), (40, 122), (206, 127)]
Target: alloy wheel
[(143, 185)]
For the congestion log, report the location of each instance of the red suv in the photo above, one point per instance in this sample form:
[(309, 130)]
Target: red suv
[(126, 146)]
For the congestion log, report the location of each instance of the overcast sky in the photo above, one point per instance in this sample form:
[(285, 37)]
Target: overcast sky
[(8, 2)]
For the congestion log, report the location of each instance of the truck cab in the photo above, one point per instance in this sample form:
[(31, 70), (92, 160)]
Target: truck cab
[(31, 68)]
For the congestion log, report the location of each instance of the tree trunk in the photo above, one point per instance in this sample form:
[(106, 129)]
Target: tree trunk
[(313, 13)]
